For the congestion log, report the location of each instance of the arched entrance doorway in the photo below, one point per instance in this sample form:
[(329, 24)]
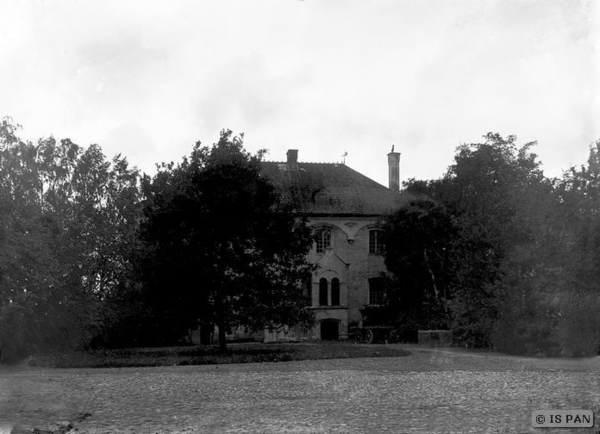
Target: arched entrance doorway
[(330, 330)]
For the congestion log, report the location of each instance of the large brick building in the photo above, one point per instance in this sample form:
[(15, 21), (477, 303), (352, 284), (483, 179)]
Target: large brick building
[(345, 209)]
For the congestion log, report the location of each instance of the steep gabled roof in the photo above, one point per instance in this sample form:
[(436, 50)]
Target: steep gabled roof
[(333, 189)]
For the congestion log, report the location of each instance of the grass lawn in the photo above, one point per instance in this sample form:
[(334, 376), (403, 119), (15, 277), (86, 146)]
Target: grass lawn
[(208, 355)]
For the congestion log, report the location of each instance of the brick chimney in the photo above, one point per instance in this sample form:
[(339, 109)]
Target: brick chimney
[(394, 170), (292, 158)]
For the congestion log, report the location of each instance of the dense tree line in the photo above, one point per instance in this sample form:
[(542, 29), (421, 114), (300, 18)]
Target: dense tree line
[(500, 254), (67, 225), (94, 254)]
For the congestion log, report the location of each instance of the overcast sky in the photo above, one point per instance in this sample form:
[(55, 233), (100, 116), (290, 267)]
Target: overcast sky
[(150, 78)]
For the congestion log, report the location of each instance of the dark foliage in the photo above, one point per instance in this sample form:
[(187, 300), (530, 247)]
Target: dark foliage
[(419, 241), (67, 221), (509, 250), (220, 246)]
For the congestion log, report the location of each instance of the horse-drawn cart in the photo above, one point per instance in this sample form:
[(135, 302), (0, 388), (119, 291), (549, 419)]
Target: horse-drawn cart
[(371, 334)]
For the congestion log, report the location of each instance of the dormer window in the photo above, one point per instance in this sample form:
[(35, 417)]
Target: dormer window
[(320, 197), (323, 241)]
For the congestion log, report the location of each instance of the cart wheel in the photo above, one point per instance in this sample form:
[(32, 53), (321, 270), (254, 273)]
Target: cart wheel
[(369, 336)]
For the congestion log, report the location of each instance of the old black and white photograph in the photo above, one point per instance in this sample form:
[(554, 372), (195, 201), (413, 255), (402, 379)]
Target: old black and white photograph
[(299, 216)]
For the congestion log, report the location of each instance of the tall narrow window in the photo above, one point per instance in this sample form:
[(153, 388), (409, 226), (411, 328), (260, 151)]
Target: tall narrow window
[(376, 291), (335, 291), (375, 241), (323, 240), (323, 292), (308, 290)]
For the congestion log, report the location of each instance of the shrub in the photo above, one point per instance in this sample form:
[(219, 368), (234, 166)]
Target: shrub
[(578, 331)]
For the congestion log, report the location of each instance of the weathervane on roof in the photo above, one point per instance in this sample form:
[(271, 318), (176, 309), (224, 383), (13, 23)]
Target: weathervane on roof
[(392, 148), (345, 155)]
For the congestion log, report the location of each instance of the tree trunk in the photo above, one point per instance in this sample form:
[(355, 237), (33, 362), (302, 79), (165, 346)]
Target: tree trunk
[(435, 290), (222, 340)]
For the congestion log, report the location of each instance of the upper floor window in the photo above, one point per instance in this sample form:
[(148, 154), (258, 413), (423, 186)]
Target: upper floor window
[(375, 244), (323, 240)]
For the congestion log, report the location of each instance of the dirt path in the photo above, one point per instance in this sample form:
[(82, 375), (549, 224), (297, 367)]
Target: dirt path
[(431, 391)]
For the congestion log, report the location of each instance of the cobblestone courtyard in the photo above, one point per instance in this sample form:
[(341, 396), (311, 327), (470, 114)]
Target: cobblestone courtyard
[(431, 391)]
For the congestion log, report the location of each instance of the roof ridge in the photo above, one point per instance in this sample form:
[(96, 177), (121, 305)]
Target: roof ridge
[(307, 162)]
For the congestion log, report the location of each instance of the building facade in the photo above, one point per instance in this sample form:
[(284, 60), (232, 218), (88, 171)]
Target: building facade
[(345, 209)]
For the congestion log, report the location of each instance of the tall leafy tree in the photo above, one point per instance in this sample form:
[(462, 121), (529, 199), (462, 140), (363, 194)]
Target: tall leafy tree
[(419, 241), (579, 191), (489, 185), (66, 218), (577, 223), (221, 247), (500, 204)]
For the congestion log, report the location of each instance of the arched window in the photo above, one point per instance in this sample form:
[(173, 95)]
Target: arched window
[(323, 292), (308, 290), (335, 291), (323, 241)]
